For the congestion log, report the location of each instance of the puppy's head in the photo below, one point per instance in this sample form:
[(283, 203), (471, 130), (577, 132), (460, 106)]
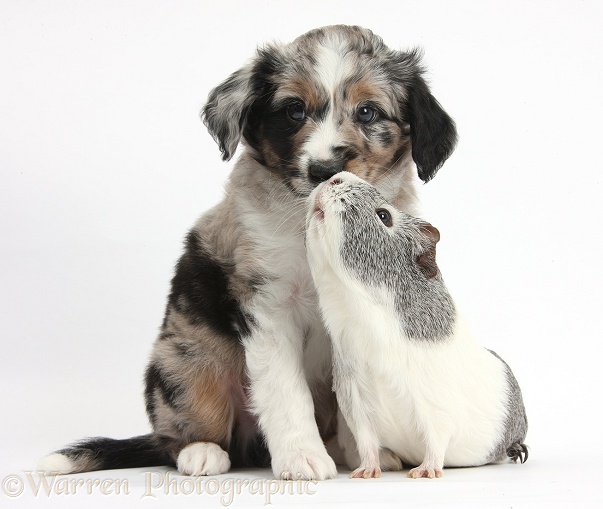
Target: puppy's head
[(335, 99)]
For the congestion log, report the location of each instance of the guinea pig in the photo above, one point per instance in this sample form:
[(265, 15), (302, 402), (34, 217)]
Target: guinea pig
[(408, 376)]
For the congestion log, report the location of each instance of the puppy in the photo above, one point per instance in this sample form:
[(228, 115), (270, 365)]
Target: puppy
[(407, 373), (241, 371)]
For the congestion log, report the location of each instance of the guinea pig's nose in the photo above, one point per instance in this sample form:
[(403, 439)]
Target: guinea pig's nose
[(335, 181)]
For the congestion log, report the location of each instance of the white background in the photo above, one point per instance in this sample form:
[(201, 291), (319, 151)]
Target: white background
[(105, 165)]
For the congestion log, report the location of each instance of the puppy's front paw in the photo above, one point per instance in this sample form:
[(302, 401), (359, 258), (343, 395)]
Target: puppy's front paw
[(428, 471), (203, 458), (307, 465)]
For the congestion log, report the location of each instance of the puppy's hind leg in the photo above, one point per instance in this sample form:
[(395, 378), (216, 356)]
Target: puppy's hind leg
[(193, 422), (203, 458)]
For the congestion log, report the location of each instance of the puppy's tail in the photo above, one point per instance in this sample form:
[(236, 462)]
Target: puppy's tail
[(106, 454), (518, 451)]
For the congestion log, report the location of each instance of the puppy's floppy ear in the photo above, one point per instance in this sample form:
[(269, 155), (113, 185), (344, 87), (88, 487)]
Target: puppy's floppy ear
[(432, 131), (229, 104), (427, 259), (227, 108)]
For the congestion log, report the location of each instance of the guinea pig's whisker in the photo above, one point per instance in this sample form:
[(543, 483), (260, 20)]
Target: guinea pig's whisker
[(295, 211), (392, 166)]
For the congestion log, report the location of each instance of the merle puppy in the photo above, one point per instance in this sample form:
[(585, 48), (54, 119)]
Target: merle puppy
[(241, 371)]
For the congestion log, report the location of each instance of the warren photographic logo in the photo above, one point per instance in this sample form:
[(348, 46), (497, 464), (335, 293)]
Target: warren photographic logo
[(46, 485), (156, 484)]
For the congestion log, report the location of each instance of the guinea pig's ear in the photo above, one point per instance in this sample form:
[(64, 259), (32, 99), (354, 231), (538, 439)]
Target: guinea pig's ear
[(229, 104), (427, 259), (432, 131)]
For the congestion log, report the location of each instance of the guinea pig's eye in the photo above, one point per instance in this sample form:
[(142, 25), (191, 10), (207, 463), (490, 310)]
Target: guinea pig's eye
[(366, 114), (385, 216), (296, 111)]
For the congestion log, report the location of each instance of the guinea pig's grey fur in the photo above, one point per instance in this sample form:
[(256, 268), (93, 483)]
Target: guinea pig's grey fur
[(410, 292), (410, 380)]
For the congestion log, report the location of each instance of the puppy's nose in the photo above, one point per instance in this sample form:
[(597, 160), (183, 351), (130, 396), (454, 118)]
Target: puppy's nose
[(319, 171)]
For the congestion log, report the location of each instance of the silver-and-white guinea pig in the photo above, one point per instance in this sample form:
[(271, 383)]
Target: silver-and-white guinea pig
[(409, 378)]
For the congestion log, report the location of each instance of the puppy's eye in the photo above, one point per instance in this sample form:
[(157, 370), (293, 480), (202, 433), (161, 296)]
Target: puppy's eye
[(385, 216), (296, 111), (366, 114)]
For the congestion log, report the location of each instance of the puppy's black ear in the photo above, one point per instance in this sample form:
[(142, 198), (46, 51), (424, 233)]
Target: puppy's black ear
[(432, 131)]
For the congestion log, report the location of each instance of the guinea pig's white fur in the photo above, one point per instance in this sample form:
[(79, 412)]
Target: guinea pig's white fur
[(408, 375)]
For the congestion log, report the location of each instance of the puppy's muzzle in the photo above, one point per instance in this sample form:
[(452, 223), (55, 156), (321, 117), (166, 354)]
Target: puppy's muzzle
[(319, 171)]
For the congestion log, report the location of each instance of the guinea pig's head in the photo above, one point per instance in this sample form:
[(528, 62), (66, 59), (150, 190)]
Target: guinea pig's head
[(353, 228)]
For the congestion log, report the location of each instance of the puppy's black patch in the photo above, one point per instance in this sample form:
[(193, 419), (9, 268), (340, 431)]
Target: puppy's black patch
[(154, 379), (200, 291), (385, 138), (432, 131), (165, 335)]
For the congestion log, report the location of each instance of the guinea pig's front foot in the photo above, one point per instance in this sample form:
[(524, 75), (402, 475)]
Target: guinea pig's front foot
[(366, 472), (425, 471)]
